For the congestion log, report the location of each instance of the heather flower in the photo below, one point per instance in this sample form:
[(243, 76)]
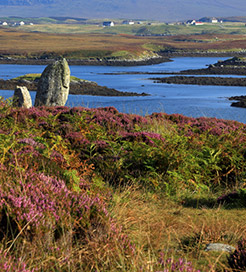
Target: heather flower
[(41, 198), (56, 156), (146, 137), (29, 141), (77, 139), (38, 112), (11, 264), (170, 265), (237, 259)]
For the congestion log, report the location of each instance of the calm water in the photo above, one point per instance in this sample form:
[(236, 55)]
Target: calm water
[(190, 100)]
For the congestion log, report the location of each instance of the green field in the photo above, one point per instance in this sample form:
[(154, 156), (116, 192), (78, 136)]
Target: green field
[(143, 29)]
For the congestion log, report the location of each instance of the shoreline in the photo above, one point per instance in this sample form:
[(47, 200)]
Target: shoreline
[(163, 56), (205, 54), (240, 101), (233, 66), (87, 62), (197, 80), (76, 88)]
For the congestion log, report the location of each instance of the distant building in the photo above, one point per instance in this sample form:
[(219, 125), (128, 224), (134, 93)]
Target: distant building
[(214, 21), (127, 22), (109, 23), (191, 22), (4, 23), (21, 23), (199, 23)]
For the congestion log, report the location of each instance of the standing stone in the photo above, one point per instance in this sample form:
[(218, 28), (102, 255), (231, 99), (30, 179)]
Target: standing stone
[(53, 86), (22, 97)]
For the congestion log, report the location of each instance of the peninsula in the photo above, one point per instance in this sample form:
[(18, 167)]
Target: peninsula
[(77, 86)]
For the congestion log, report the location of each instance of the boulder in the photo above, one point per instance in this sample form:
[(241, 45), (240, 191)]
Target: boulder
[(53, 86), (22, 97), (219, 247)]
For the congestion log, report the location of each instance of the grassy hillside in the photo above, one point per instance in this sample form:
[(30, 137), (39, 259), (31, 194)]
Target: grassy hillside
[(141, 29), (98, 190), (20, 44)]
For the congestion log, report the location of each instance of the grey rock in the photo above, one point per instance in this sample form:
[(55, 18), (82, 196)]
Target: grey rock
[(22, 97), (53, 86), (219, 247)]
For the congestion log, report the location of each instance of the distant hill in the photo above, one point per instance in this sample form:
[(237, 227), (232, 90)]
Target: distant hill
[(163, 10), (241, 19)]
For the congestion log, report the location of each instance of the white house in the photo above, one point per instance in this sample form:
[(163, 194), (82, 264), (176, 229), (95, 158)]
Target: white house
[(126, 22), (109, 23), (21, 23), (191, 22), (214, 21), (4, 23)]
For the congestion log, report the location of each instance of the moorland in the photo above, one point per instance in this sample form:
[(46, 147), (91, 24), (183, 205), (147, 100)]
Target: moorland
[(98, 190), (93, 44)]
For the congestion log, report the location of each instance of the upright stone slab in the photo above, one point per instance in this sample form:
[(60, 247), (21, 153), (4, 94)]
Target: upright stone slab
[(53, 86), (22, 97)]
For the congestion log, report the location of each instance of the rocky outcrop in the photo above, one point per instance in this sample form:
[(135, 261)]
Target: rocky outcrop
[(196, 80), (241, 101), (53, 86), (232, 66), (22, 97), (219, 247), (94, 62)]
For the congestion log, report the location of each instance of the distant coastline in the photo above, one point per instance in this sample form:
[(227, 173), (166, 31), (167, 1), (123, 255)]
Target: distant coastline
[(163, 56), (93, 62)]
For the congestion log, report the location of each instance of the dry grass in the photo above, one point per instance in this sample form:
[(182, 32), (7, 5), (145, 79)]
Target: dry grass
[(160, 225), (25, 43)]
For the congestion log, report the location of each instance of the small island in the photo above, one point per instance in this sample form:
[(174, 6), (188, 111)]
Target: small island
[(197, 80), (240, 101), (232, 66)]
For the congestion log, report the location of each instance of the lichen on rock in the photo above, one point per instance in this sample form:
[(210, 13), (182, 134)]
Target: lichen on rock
[(22, 97), (53, 86)]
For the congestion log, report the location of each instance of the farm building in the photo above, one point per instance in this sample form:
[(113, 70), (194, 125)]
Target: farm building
[(109, 23), (127, 22)]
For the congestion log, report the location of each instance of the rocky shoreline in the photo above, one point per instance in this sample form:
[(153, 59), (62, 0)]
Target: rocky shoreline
[(182, 53), (197, 80), (240, 101), (76, 88), (93, 62)]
